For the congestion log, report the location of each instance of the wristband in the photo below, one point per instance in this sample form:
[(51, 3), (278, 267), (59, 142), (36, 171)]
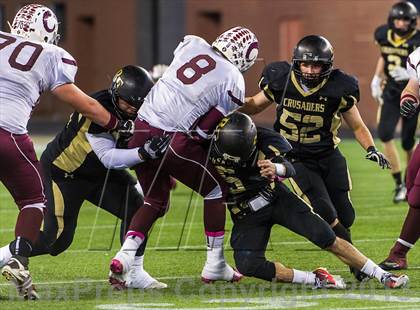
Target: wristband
[(112, 123)]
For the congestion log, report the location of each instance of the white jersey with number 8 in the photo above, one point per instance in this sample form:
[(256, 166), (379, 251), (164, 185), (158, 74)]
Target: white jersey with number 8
[(27, 69), (197, 80)]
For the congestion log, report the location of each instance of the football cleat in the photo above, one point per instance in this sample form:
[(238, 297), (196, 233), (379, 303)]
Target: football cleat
[(390, 280), (117, 281), (394, 263), (400, 193), (323, 279), (16, 271), (121, 263), (139, 278), (219, 272)]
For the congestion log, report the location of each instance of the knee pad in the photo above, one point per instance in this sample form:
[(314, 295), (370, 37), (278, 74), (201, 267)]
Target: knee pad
[(407, 143), (324, 209), (253, 264), (385, 134)]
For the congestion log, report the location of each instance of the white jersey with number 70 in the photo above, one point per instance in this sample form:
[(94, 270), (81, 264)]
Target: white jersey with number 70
[(27, 69)]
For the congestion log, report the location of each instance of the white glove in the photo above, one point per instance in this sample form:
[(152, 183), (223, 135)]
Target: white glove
[(158, 71), (399, 74), (376, 89)]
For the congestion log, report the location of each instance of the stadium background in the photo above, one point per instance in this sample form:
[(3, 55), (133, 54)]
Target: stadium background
[(104, 35)]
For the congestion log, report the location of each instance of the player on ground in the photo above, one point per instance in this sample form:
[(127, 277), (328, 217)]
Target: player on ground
[(200, 77), (396, 40), (251, 161), (311, 99), (77, 167), (31, 63), (410, 232)]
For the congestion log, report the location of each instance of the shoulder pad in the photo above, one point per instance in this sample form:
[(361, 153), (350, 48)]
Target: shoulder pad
[(275, 74), (381, 33)]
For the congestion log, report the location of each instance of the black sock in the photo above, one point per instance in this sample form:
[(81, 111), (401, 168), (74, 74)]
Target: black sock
[(397, 178), (342, 232)]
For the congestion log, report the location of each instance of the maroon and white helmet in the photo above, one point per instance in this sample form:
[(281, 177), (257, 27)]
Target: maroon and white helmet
[(239, 45), (36, 22)]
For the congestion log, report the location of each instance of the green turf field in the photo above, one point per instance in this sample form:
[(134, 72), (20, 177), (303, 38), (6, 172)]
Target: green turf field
[(77, 278)]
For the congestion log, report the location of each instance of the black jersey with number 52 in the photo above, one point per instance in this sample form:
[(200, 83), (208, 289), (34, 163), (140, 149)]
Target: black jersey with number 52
[(309, 118)]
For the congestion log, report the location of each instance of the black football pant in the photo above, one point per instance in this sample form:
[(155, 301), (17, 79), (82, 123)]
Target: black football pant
[(325, 184), (250, 234), (389, 117), (66, 194)]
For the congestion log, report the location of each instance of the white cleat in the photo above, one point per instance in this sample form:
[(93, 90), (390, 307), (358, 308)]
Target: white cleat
[(16, 271), (220, 271), (119, 268), (323, 279), (393, 281), (139, 278)]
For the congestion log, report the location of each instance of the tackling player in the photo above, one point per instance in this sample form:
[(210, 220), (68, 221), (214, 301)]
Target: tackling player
[(31, 63), (311, 99), (251, 161), (410, 232), (396, 40), (200, 77)]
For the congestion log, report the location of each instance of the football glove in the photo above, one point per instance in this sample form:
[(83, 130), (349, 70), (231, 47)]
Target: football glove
[(376, 89), (154, 148), (374, 155), (124, 129), (408, 108), (399, 74)]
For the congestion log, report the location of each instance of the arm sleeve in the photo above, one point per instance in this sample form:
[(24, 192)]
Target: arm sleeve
[(63, 70), (112, 158), (351, 95)]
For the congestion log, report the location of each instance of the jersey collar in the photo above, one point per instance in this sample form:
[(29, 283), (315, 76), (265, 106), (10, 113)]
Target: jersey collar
[(401, 41), (301, 90)]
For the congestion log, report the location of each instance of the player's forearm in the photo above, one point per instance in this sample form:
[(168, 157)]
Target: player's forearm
[(255, 104), (120, 158), (85, 105), (379, 70), (363, 136)]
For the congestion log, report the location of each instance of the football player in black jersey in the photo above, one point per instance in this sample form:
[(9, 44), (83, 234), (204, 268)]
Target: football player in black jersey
[(396, 41), (83, 163), (251, 161), (312, 98)]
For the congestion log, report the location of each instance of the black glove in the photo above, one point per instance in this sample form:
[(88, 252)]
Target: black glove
[(154, 147), (124, 129), (408, 108), (374, 155)]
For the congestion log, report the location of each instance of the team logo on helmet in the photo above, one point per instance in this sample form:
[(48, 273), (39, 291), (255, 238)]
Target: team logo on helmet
[(37, 23), (239, 45)]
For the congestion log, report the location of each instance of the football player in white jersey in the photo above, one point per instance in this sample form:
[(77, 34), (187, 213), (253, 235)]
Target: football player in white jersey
[(410, 232), (30, 64), (202, 79)]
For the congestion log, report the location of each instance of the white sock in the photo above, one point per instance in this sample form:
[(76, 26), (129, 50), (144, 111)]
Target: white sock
[(303, 277), (215, 249), (5, 255), (373, 270), (131, 244)]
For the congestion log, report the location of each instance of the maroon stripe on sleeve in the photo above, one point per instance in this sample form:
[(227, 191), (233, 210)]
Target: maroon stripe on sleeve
[(69, 61), (234, 99), (409, 62)]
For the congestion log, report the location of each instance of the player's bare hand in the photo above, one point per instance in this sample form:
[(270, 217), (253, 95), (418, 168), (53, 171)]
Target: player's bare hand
[(268, 169)]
